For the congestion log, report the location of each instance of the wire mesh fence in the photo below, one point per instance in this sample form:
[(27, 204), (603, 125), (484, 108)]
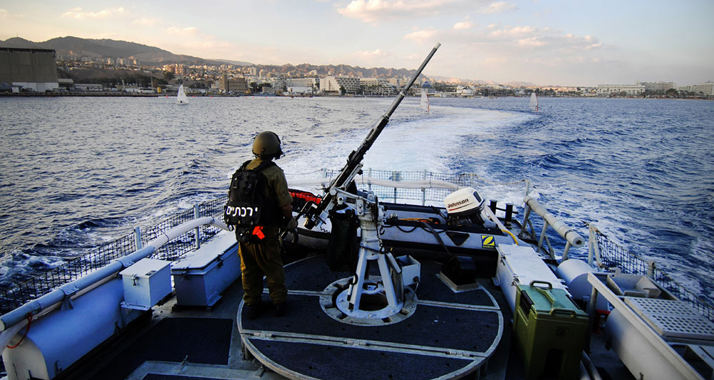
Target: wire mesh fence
[(44, 283), (615, 256)]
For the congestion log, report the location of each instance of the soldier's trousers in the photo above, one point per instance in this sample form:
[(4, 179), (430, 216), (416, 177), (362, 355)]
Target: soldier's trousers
[(260, 258)]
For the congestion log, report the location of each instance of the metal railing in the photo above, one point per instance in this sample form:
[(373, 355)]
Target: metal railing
[(100, 256), (432, 187)]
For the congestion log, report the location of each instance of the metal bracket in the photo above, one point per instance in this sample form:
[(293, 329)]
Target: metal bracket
[(69, 291), (126, 262)]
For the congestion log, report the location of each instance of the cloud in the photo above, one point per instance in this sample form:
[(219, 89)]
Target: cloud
[(515, 32), (378, 53), (539, 39), (79, 14), (499, 7), (188, 31), (372, 11), (194, 41), (147, 21), (466, 24), (592, 42), (496, 51), (420, 36), (533, 42)]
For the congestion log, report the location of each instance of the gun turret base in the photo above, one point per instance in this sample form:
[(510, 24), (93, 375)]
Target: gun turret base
[(374, 308)]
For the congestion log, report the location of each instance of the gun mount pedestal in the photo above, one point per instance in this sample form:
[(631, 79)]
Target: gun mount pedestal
[(365, 298)]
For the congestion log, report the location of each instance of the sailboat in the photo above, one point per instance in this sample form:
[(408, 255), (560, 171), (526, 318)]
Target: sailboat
[(424, 101), (181, 97), (533, 105)]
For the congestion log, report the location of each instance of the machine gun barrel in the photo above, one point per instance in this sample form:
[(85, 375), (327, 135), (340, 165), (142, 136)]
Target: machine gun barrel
[(356, 157)]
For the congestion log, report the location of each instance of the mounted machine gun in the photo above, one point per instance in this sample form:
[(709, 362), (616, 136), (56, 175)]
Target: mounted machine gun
[(369, 213)]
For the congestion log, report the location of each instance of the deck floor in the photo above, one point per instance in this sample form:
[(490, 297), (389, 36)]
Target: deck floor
[(449, 334), (179, 343)]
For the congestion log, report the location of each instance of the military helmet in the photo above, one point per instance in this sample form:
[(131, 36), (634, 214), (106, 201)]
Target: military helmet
[(267, 145)]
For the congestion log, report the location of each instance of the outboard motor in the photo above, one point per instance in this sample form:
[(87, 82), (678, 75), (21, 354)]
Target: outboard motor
[(464, 207)]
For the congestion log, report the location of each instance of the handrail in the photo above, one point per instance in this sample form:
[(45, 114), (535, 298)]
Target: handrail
[(571, 236), (185, 227), (366, 180)]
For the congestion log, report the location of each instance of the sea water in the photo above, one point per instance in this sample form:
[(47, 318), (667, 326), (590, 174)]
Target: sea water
[(77, 172)]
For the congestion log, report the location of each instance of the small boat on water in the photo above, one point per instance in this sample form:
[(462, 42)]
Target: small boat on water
[(533, 104), (424, 103), (394, 275), (181, 97)]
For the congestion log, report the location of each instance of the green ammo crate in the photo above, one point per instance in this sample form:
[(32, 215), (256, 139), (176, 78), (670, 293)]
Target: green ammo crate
[(551, 331)]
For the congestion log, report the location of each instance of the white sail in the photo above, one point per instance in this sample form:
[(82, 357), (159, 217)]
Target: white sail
[(533, 105), (424, 101), (181, 98)]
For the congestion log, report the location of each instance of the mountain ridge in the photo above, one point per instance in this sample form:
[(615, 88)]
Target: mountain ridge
[(77, 47), (70, 46)]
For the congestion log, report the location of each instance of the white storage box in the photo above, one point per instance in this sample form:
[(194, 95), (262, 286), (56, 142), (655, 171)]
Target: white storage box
[(519, 265), (201, 277), (146, 283), (411, 270)]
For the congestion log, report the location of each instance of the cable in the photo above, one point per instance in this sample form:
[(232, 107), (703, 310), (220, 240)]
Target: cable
[(436, 235), (27, 330)]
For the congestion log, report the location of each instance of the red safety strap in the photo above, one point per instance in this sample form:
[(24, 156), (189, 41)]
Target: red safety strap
[(258, 231)]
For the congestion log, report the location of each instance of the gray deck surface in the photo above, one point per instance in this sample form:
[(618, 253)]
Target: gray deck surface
[(450, 334)]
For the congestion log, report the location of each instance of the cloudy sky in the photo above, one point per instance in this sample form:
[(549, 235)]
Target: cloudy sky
[(546, 42)]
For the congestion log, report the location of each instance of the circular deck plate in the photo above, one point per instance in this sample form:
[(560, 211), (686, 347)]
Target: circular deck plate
[(335, 304)]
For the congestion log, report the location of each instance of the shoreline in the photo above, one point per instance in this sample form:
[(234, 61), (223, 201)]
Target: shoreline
[(140, 95)]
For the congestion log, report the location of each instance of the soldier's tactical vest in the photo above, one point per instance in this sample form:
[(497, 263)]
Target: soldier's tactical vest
[(247, 205)]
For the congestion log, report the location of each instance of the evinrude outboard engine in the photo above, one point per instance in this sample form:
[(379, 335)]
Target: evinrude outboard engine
[(464, 207)]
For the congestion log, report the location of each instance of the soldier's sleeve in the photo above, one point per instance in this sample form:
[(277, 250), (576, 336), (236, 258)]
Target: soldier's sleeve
[(281, 190)]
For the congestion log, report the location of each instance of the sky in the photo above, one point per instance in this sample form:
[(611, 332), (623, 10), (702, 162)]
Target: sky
[(544, 42)]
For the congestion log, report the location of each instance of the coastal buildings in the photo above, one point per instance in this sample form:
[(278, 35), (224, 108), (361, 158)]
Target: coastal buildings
[(176, 68), (332, 84), (658, 86), (232, 85), (617, 89), (656, 89), (706, 89), (43, 70), (636, 89)]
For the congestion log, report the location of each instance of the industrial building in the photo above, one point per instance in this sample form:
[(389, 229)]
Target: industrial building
[(28, 69), (234, 85)]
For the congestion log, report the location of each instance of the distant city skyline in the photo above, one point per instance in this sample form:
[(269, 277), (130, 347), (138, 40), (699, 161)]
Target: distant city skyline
[(558, 42)]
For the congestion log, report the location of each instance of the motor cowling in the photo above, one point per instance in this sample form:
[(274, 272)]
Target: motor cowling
[(464, 205)]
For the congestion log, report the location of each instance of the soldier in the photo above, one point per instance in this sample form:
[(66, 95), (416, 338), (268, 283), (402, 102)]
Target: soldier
[(261, 245)]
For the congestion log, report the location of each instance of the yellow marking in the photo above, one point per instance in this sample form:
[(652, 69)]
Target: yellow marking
[(487, 242)]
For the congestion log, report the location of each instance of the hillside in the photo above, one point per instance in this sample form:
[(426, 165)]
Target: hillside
[(73, 47)]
